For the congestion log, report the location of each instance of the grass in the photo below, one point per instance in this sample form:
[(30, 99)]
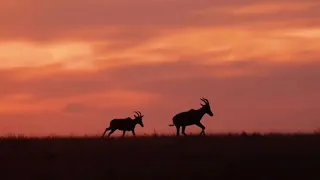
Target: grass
[(231, 156)]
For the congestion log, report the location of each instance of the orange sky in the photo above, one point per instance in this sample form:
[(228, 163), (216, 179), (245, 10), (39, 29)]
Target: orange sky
[(70, 66)]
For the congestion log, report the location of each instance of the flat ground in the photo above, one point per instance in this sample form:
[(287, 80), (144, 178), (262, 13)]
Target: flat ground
[(211, 157)]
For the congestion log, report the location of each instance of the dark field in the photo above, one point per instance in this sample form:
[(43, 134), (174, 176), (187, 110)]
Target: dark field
[(210, 157)]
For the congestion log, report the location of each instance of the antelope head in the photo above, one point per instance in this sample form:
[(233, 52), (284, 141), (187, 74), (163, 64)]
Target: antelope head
[(206, 106), (138, 117)]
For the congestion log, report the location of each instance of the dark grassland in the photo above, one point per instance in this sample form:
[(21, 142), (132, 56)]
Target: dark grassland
[(162, 157)]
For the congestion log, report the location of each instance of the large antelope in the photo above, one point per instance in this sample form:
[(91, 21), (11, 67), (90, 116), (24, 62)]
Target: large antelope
[(126, 124), (191, 117)]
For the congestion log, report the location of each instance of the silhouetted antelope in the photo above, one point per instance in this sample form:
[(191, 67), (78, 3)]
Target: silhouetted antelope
[(126, 124), (191, 117)]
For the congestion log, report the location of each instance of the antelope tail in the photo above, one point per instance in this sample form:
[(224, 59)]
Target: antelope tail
[(171, 124)]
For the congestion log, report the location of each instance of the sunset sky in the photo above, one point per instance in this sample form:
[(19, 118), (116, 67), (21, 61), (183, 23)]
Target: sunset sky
[(70, 66)]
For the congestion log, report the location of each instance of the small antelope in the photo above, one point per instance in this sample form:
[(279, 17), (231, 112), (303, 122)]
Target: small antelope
[(192, 117), (126, 124)]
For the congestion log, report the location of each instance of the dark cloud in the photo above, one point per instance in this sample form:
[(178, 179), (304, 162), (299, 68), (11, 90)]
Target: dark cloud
[(75, 108), (134, 20)]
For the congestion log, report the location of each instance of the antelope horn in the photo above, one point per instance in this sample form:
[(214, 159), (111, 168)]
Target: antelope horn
[(205, 100), (137, 113)]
